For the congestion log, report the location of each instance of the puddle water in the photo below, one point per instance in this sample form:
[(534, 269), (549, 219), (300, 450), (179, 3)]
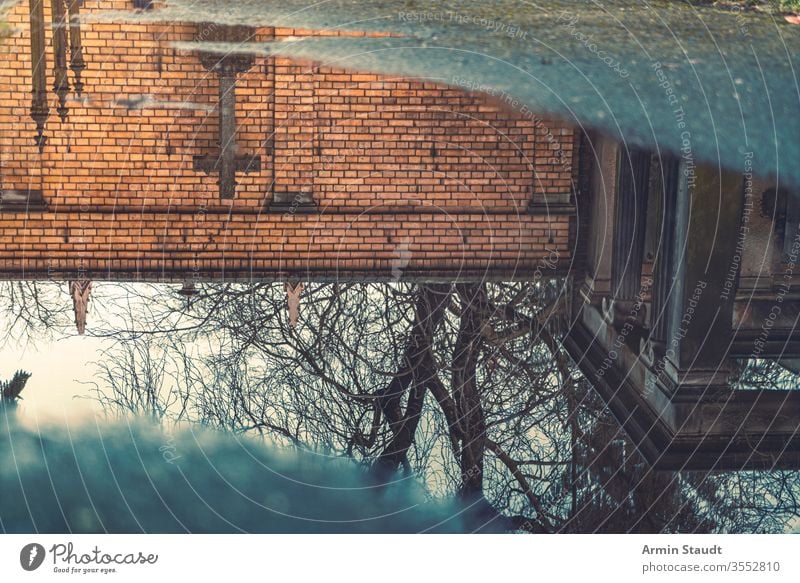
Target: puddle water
[(352, 369)]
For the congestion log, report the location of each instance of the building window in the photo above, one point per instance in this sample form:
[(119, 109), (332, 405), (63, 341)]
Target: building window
[(20, 201)]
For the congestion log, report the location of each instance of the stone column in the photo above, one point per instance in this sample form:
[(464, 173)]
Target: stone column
[(602, 185), (663, 276), (630, 222), (699, 328)]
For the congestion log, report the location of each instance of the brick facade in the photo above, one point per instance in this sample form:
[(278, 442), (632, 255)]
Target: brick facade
[(409, 178)]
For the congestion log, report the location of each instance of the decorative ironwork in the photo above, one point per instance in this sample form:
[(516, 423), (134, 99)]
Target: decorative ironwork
[(61, 85), (76, 64), (40, 111)]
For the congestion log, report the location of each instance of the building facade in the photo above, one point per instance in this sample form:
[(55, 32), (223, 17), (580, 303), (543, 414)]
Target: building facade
[(167, 164), (124, 156)]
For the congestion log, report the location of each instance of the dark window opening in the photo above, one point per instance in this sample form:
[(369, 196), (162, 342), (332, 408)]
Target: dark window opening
[(21, 201)]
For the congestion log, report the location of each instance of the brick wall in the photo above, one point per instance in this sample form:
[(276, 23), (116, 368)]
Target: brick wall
[(409, 178)]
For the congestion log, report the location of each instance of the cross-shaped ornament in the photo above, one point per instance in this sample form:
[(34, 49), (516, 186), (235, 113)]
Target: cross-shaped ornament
[(227, 162)]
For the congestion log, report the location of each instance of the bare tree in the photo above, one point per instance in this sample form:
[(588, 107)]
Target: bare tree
[(10, 391), (465, 386), (33, 310)]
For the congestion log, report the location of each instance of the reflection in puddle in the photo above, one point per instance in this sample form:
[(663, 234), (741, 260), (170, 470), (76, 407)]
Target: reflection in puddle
[(461, 389), (720, 64), (767, 375), (532, 268)]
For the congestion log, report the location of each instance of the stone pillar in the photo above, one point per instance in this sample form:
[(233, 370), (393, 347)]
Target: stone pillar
[(699, 329), (602, 187), (663, 276), (630, 222)]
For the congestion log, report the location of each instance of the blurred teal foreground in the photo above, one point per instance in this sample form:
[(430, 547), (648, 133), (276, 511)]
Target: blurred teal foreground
[(130, 478)]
